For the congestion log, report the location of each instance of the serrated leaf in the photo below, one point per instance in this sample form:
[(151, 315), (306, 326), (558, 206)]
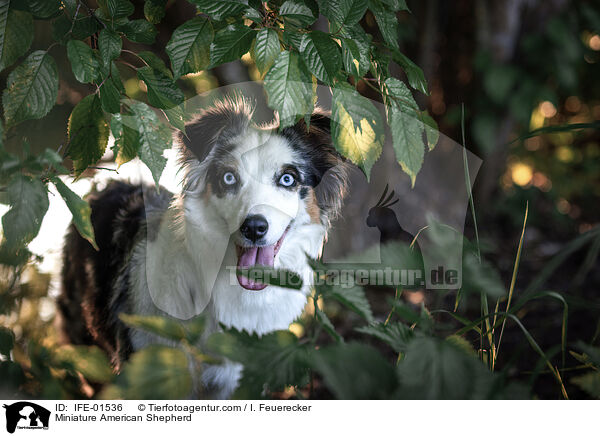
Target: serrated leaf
[(155, 62), (352, 297), (321, 55), (139, 31), (189, 46), (117, 8), (16, 34), (43, 8), (109, 44), (289, 88), (157, 325), (355, 372), (110, 97), (400, 96), (83, 62), (415, 75), (28, 199), (163, 93), (155, 372), (266, 49), (80, 209), (356, 127), (396, 334), (154, 10), (344, 12), (387, 22), (431, 129), (176, 117), (356, 47), (297, 13), (222, 8), (327, 325), (274, 360), (231, 43), (88, 133), (90, 361), (155, 138), (31, 89), (127, 139), (407, 136)]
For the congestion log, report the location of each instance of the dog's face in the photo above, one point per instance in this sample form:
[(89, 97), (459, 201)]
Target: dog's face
[(265, 190)]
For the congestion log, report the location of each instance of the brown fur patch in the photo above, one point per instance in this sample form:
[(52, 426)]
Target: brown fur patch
[(312, 207)]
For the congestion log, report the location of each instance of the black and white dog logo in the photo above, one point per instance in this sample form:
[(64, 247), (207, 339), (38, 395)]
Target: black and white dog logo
[(26, 415)]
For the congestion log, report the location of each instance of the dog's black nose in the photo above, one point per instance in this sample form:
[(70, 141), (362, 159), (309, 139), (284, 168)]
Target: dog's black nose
[(254, 227)]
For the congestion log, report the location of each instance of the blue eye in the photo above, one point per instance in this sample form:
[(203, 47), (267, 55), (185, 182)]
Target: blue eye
[(229, 178), (287, 180)]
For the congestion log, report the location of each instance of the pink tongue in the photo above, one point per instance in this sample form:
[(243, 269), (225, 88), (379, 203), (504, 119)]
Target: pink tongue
[(251, 256)]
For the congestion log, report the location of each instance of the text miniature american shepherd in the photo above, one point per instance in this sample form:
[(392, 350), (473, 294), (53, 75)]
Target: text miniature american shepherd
[(156, 250)]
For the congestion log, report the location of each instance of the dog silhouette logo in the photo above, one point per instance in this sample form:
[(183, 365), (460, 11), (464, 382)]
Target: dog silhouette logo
[(26, 415)]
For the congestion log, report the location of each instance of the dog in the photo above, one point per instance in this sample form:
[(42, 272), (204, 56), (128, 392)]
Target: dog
[(251, 195)]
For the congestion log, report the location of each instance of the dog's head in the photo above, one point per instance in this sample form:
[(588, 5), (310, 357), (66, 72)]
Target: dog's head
[(274, 193)]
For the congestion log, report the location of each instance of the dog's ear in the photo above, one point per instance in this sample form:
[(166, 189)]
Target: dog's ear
[(224, 119), (330, 170)]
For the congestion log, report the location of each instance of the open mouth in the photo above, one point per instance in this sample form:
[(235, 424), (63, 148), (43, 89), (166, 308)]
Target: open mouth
[(249, 257)]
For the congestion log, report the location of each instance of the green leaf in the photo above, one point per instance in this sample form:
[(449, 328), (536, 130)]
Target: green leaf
[(355, 372), (189, 46), (155, 372), (231, 43), (16, 34), (415, 75), (321, 55), (127, 139), (154, 10), (352, 297), (176, 117), (117, 8), (439, 369), (28, 199), (110, 45), (90, 361), (289, 87), (157, 325), (266, 49), (344, 12), (83, 62), (44, 8), (325, 322), (162, 91), (355, 51), (397, 335), (139, 31), (401, 97), (590, 383), (357, 128), (297, 13), (31, 89), (155, 138), (110, 96), (274, 360), (80, 209), (156, 63), (88, 133), (221, 9), (407, 136), (7, 341), (431, 129), (387, 22)]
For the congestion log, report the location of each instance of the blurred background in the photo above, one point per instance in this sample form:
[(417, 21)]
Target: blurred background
[(515, 66)]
